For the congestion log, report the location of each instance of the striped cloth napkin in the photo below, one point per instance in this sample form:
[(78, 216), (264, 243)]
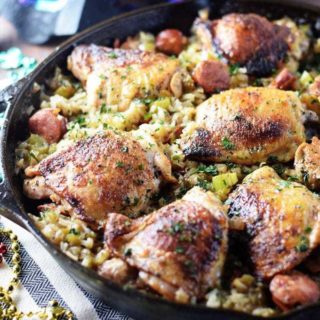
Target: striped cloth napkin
[(42, 280)]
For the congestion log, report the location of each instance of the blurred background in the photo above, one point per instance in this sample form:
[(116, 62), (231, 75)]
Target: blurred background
[(31, 29)]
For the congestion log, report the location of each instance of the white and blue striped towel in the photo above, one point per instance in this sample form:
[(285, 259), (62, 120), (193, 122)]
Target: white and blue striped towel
[(42, 280)]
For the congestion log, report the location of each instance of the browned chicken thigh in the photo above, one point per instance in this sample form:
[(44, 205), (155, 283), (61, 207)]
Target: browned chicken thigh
[(281, 219), (246, 126), (104, 173), (179, 249), (247, 39), (117, 76)]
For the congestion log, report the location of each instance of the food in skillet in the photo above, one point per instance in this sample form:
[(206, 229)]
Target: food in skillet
[(246, 126), (179, 250), (187, 167)]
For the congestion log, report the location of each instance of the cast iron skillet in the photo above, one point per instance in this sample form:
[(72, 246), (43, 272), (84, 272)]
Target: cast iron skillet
[(18, 98)]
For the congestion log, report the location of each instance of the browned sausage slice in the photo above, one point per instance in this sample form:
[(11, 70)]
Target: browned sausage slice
[(285, 80), (293, 289), (212, 76), (170, 41), (47, 124)]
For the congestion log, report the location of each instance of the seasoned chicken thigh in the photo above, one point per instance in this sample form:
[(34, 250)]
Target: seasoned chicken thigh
[(307, 163), (247, 39), (179, 249), (104, 173), (117, 76), (280, 217), (246, 126)]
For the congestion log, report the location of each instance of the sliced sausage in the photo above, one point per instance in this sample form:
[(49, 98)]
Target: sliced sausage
[(170, 41), (48, 125), (293, 289), (212, 76), (285, 80)]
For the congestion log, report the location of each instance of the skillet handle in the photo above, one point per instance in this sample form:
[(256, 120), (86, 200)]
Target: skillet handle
[(8, 205)]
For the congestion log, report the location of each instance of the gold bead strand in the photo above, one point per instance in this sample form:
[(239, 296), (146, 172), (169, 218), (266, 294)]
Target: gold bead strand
[(8, 309)]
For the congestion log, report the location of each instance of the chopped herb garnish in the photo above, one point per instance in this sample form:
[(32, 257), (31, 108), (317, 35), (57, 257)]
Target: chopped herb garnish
[(305, 177), (284, 183), (128, 252), (112, 55), (74, 231), (147, 116), (135, 201), (147, 101), (237, 117), (104, 108), (32, 155), (203, 184), (127, 223), (176, 227), (308, 229), (227, 144), (303, 245), (119, 164), (234, 68), (179, 250), (140, 166), (211, 169), (124, 149), (81, 121)]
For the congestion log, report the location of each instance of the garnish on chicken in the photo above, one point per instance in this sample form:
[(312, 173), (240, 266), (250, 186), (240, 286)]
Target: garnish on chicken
[(281, 219), (117, 76), (179, 250), (246, 126), (104, 173), (249, 40)]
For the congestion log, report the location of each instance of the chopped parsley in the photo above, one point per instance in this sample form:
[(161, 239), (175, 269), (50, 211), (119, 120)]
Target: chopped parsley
[(124, 149), (140, 166), (303, 244), (227, 144), (211, 169), (104, 108), (32, 155), (176, 227), (119, 164), (234, 69), (128, 252), (81, 121), (112, 55), (74, 231), (305, 177), (179, 250), (203, 184)]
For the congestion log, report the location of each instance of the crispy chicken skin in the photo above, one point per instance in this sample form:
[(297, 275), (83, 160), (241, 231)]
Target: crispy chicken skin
[(246, 126), (117, 76), (179, 249), (248, 39), (281, 219), (307, 163), (104, 173)]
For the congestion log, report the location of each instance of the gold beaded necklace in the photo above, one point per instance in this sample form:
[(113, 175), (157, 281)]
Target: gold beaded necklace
[(8, 309)]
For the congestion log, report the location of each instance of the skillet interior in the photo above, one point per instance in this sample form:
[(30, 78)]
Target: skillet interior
[(155, 19)]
